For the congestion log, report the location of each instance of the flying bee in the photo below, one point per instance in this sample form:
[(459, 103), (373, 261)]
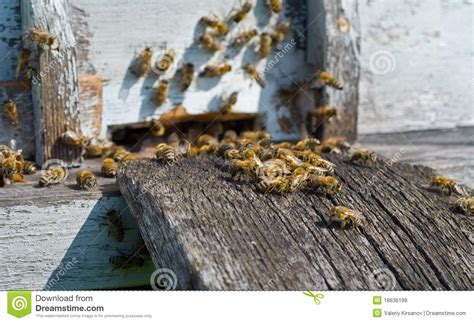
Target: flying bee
[(328, 79), (29, 167), (335, 145), (345, 216), (242, 12), (166, 153), (53, 176), (165, 62), (42, 37), (307, 143), (24, 56), (325, 113), (275, 5), (74, 139), (115, 225), (86, 180), (251, 70), (123, 261), (161, 93), (219, 25), (326, 185), (229, 103), (446, 186), (10, 111), (209, 42), (216, 70), (278, 185), (244, 37), (364, 157), (465, 205), (281, 31), (143, 62), (265, 45), (187, 76), (158, 129), (109, 168)]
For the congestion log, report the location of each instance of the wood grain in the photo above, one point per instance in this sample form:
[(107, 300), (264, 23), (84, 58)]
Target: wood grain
[(219, 234), (90, 105)]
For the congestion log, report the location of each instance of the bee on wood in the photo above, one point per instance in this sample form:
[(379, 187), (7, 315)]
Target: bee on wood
[(230, 135), (465, 204), (297, 179), (281, 31), (278, 185), (364, 157), (53, 176), (265, 45), (314, 170), (209, 42), (158, 129), (336, 145), (43, 38), (215, 70), (74, 139), (86, 180), (166, 153), (275, 5), (240, 167), (244, 37), (219, 25), (207, 149), (325, 113), (223, 147), (143, 63), (328, 79), (126, 261), (205, 139), (232, 154), (251, 70), (122, 155), (94, 150), (29, 167), (288, 156), (10, 166), (345, 216), (161, 93), (323, 163), (255, 135), (229, 103), (187, 76), (10, 111), (115, 225), (24, 57), (446, 186), (326, 185), (242, 12), (307, 143), (109, 168), (165, 62)]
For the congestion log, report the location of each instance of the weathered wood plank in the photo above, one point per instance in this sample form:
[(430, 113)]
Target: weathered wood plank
[(55, 88), (217, 234), (90, 105)]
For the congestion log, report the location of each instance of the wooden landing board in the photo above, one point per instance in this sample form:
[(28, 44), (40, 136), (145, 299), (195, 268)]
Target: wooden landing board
[(55, 238), (219, 234)]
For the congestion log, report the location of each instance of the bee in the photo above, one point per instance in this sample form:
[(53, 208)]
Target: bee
[(335, 145), (281, 31), (43, 38), (10, 111), (29, 167), (297, 179), (74, 139), (465, 204), (18, 178), (187, 76), (328, 79), (346, 216), (24, 56), (364, 157), (277, 185), (446, 186), (232, 154), (255, 135), (323, 163), (158, 129), (326, 112), (220, 26), (230, 135), (265, 45), (215, 70), (229, 103), (209, 42), (275, 5), (307, 143), (126, 261), (205, 139), (10, 166), (121, 155), (86, 180), (314, 170), (251, 70), (53, 176), (94, 150), (166, 153), (288, 156), (143, 62), (109, 168), (207, 149), (242, 167), (165, 62), (244, 37), (242, 12), (115, 225), (161, 93), (223, 147), (326, 185)]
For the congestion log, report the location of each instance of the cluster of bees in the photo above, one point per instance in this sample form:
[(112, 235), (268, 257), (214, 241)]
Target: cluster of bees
[(445, 186), (13, 165)]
